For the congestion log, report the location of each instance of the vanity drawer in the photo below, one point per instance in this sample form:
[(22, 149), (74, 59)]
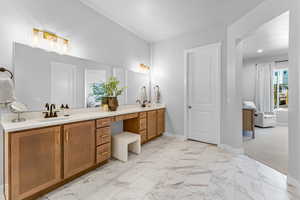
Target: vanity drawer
[(143, 124), (104, 122), (103, 152), (143, 115), (127, 116), (143, 136), (103, 135)]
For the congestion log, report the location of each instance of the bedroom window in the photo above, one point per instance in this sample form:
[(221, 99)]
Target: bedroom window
[(280, 88)]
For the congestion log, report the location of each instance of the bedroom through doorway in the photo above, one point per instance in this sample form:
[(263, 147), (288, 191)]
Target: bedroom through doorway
[(265, 93)]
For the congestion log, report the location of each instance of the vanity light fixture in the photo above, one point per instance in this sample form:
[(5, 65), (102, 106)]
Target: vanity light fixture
[(144, 67), (54, 41)]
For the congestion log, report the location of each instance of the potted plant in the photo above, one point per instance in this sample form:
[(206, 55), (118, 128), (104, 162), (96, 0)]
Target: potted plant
[(112, 91)]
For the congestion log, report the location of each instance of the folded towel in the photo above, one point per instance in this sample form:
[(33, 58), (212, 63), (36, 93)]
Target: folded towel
[(7, 91)]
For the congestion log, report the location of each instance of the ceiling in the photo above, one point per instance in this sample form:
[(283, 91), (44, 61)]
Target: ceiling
[(155, 20), (272, 38)]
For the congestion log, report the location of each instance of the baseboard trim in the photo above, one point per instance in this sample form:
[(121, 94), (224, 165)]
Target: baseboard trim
[(181, 137), (295, 185), (231, 149), (282, 124)]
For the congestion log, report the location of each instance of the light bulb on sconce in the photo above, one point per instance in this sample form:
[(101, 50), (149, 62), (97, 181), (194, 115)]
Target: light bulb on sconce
[(55, 42), (35, 37), (52, 44), (65, 46), (144, 68)]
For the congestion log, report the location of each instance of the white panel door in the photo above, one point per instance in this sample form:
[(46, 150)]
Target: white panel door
[(63, 84), (203, 67)]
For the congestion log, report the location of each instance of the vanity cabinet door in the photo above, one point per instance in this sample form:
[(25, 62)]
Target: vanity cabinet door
[(160, 121), (79, 147), (35, 161), (151, 124)]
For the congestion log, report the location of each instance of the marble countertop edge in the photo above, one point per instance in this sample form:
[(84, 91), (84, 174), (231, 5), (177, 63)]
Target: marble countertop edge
[(33, 123)]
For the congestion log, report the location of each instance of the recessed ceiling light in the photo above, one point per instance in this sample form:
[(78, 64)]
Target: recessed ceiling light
[(260, 51)]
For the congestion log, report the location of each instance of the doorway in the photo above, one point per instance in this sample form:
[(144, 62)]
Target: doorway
[(202, 93), (265, 93)]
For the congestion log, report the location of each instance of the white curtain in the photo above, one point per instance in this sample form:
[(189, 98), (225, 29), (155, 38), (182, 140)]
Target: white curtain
[(264, 87)]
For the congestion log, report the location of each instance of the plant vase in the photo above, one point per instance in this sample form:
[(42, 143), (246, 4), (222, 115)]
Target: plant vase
[(113, 103), (104, 100)]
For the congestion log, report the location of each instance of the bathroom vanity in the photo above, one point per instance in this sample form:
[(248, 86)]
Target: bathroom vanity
[(41, 155)]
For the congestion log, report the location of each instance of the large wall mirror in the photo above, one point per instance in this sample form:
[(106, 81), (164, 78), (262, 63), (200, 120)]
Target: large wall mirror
[(46, 77)]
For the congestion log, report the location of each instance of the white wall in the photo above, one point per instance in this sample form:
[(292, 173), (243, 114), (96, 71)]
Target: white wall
[(260, 15), (92, 36), (168, 71), (294, 92), (248, 82), (249, 74), (266, 11)]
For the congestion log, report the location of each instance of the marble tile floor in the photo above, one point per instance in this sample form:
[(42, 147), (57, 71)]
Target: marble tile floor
[(170, 168)]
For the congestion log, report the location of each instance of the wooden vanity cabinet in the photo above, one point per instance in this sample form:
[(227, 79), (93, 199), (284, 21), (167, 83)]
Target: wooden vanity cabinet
[(40, 160), (160, 121), (103, 141), (35, 161), (137, 125), (151, 124), (79, 147)]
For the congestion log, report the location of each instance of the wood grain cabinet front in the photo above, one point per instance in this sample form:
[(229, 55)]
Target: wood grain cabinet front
[(103, 152), (127, 116), (104, 122), (160, 121), (151, 124), (103, 135), (35, 161), (143, 136), (39, 160), (143, 124), (79, 147)]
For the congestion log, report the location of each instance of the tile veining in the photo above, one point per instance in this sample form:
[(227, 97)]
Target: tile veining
[(173, 169)]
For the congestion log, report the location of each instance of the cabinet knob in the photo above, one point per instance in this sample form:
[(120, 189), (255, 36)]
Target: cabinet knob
[(190, 107)]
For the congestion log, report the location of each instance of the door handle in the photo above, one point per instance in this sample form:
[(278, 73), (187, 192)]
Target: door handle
[(190, 107)]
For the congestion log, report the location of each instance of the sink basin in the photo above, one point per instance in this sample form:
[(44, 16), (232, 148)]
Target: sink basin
[(53, 119)]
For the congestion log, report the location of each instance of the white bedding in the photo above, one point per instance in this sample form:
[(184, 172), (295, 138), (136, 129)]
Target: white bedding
[(249, 105)]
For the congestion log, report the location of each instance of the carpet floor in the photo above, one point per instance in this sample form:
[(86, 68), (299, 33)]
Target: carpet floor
[(269, 147)]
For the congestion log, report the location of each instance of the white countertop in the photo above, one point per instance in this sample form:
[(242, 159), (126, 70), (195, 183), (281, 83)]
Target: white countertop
[(36, 121)]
